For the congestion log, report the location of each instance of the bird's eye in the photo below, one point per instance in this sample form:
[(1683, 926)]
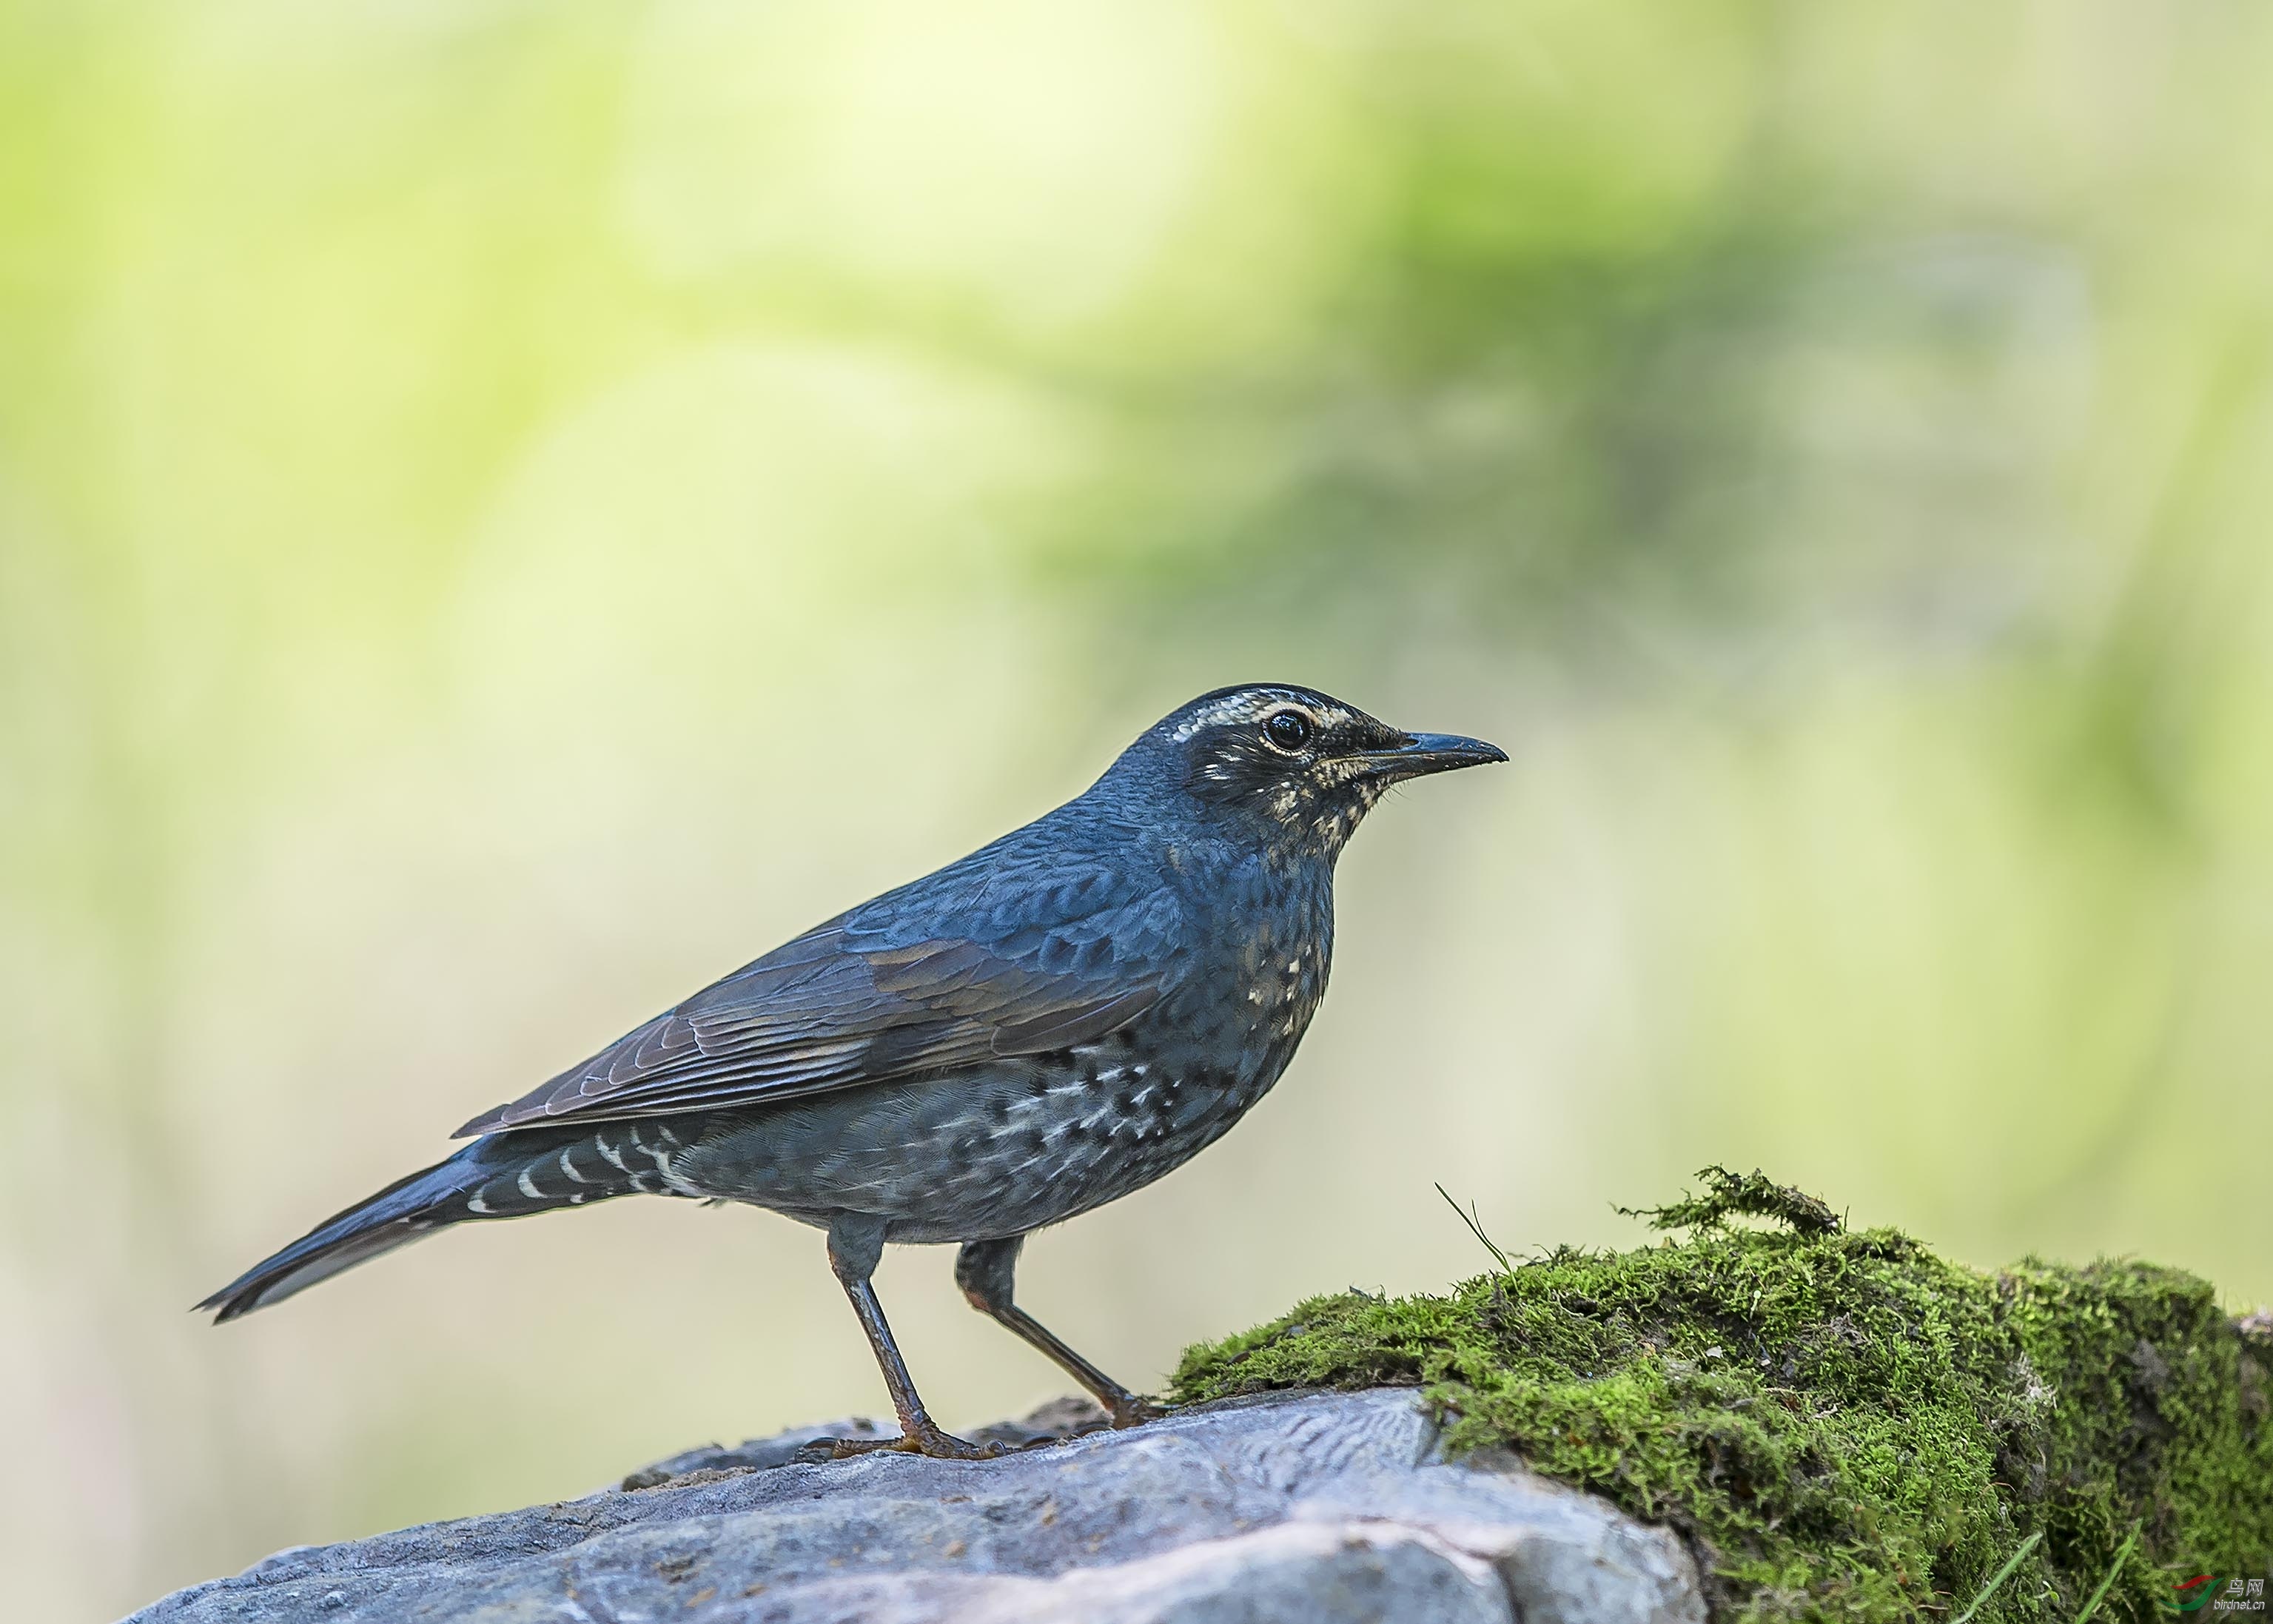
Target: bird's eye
[(1287, 730)]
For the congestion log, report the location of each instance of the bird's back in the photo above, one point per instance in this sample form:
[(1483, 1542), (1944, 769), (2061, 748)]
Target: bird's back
[(1001, 1145)]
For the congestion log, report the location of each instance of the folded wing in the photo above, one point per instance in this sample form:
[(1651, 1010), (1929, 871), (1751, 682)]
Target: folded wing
[(1015, 959)]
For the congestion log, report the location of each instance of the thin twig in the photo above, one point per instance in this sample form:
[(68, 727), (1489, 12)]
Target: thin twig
[(1468, 1217), (2003, 1574), (2122, 1555)]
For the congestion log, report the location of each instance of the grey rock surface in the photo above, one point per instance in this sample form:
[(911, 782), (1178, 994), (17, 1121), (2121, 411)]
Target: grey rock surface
[(1320, 1508)]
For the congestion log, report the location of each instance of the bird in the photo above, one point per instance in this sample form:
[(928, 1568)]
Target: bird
[(1057, 1019)]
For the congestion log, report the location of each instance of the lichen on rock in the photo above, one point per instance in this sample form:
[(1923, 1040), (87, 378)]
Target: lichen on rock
[(1842, 1423)]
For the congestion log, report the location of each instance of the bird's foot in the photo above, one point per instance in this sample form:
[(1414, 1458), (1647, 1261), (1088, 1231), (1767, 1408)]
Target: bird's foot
[(925, 1438), (1133, 1410)]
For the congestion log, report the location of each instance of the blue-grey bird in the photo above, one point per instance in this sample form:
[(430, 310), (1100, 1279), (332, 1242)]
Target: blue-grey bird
[(1055, 1020)]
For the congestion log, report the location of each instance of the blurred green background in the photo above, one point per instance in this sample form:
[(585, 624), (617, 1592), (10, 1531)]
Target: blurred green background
[(509, 509)]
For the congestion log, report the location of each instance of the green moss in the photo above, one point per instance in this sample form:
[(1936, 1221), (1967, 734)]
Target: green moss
[(1843, 1424)]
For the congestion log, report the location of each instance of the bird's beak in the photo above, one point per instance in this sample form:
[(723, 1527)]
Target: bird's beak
[(1426, 753)]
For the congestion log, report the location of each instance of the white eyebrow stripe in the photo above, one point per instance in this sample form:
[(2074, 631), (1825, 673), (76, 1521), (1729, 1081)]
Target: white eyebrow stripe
[(1253, 704), (1231, 708)]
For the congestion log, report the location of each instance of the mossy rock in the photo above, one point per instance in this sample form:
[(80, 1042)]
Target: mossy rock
[(1843, 1424)]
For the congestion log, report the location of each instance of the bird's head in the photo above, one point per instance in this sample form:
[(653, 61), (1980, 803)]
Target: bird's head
[(1303, 766)]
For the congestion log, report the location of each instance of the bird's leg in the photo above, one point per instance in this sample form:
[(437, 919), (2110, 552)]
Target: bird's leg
[(855, 1244), (984, 1270)]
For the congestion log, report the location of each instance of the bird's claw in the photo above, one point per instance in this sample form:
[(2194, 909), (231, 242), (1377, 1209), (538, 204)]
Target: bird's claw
[(1130, 1409), (926, 1439)]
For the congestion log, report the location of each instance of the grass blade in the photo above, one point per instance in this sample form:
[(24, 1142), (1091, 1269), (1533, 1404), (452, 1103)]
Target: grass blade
[(2002, 1573), (2122, 1555), (1468, 1217)]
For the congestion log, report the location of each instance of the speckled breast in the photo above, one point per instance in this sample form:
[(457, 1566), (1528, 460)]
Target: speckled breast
[(1007, 1149)]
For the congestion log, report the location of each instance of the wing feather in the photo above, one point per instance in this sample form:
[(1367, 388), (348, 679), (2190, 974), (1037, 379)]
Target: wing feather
[(893, 989)]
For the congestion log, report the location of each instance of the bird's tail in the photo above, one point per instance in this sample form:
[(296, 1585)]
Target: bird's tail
[(504, 1176)]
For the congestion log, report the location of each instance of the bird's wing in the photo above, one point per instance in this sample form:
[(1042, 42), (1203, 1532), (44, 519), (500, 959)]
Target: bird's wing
[(1019, 956)]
